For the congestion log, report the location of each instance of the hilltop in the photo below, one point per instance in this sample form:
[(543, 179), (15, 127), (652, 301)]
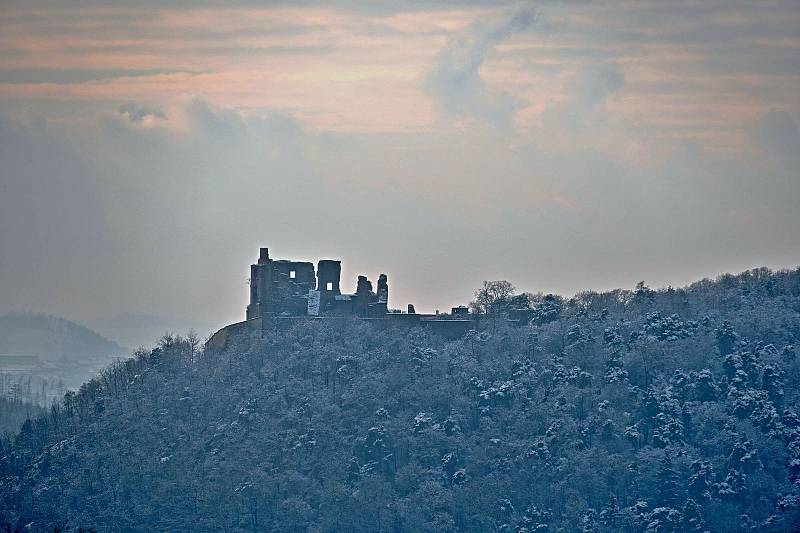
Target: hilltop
[(630, 410)]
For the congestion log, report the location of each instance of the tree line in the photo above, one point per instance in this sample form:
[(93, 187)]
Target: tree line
[(629, 410)]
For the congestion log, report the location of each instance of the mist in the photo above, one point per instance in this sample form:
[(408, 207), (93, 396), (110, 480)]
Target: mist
[(493, 147)]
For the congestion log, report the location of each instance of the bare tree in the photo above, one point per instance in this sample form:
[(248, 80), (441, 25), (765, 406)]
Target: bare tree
[(194, 344), (492, 298)]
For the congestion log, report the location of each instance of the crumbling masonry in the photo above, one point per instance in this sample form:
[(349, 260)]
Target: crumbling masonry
[(292, 288), (284, 292)]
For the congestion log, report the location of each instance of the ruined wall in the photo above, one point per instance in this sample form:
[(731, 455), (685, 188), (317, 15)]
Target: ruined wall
[(329, 273), (283, 292), (254, 307), (260, 282), (279, 286), (291, 283), (294, 288)]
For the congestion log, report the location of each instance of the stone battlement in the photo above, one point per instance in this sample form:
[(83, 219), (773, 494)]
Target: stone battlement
[(284, 292), (294, 288)]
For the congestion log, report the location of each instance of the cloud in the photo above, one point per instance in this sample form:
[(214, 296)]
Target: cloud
[(137, 113), (609, 145), (72, 76), (455, 82), (105, 215), (581, 118), (597, 83)]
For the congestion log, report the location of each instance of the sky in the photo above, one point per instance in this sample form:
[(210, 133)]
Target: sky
[(148, 149)]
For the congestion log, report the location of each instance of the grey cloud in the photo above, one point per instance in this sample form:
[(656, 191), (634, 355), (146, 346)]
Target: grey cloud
[(597, 83), (137, 113), (455, 83), (100, 215), (373, 7), (70, 76), (116, 218), (583, 108)]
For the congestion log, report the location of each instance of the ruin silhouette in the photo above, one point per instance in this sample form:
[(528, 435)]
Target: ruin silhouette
[(283, 292)]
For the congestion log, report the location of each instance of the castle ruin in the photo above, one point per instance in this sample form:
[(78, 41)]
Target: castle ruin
[(283, 292), (293, 288)]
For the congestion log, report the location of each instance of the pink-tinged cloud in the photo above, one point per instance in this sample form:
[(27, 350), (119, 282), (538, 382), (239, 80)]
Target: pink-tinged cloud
[(690, 73)]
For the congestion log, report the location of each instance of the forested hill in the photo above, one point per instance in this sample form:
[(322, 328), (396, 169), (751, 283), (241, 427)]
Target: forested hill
[(642, 410)]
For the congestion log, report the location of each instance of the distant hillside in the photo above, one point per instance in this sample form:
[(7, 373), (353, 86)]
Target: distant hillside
[(632, 410), (42, 355), (52, 338)]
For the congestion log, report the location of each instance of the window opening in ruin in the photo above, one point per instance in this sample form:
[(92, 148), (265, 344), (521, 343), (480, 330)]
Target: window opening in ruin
[(293, 274), (329, 286)]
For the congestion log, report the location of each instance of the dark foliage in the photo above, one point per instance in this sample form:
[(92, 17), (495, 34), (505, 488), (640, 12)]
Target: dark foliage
[(644, 410)]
